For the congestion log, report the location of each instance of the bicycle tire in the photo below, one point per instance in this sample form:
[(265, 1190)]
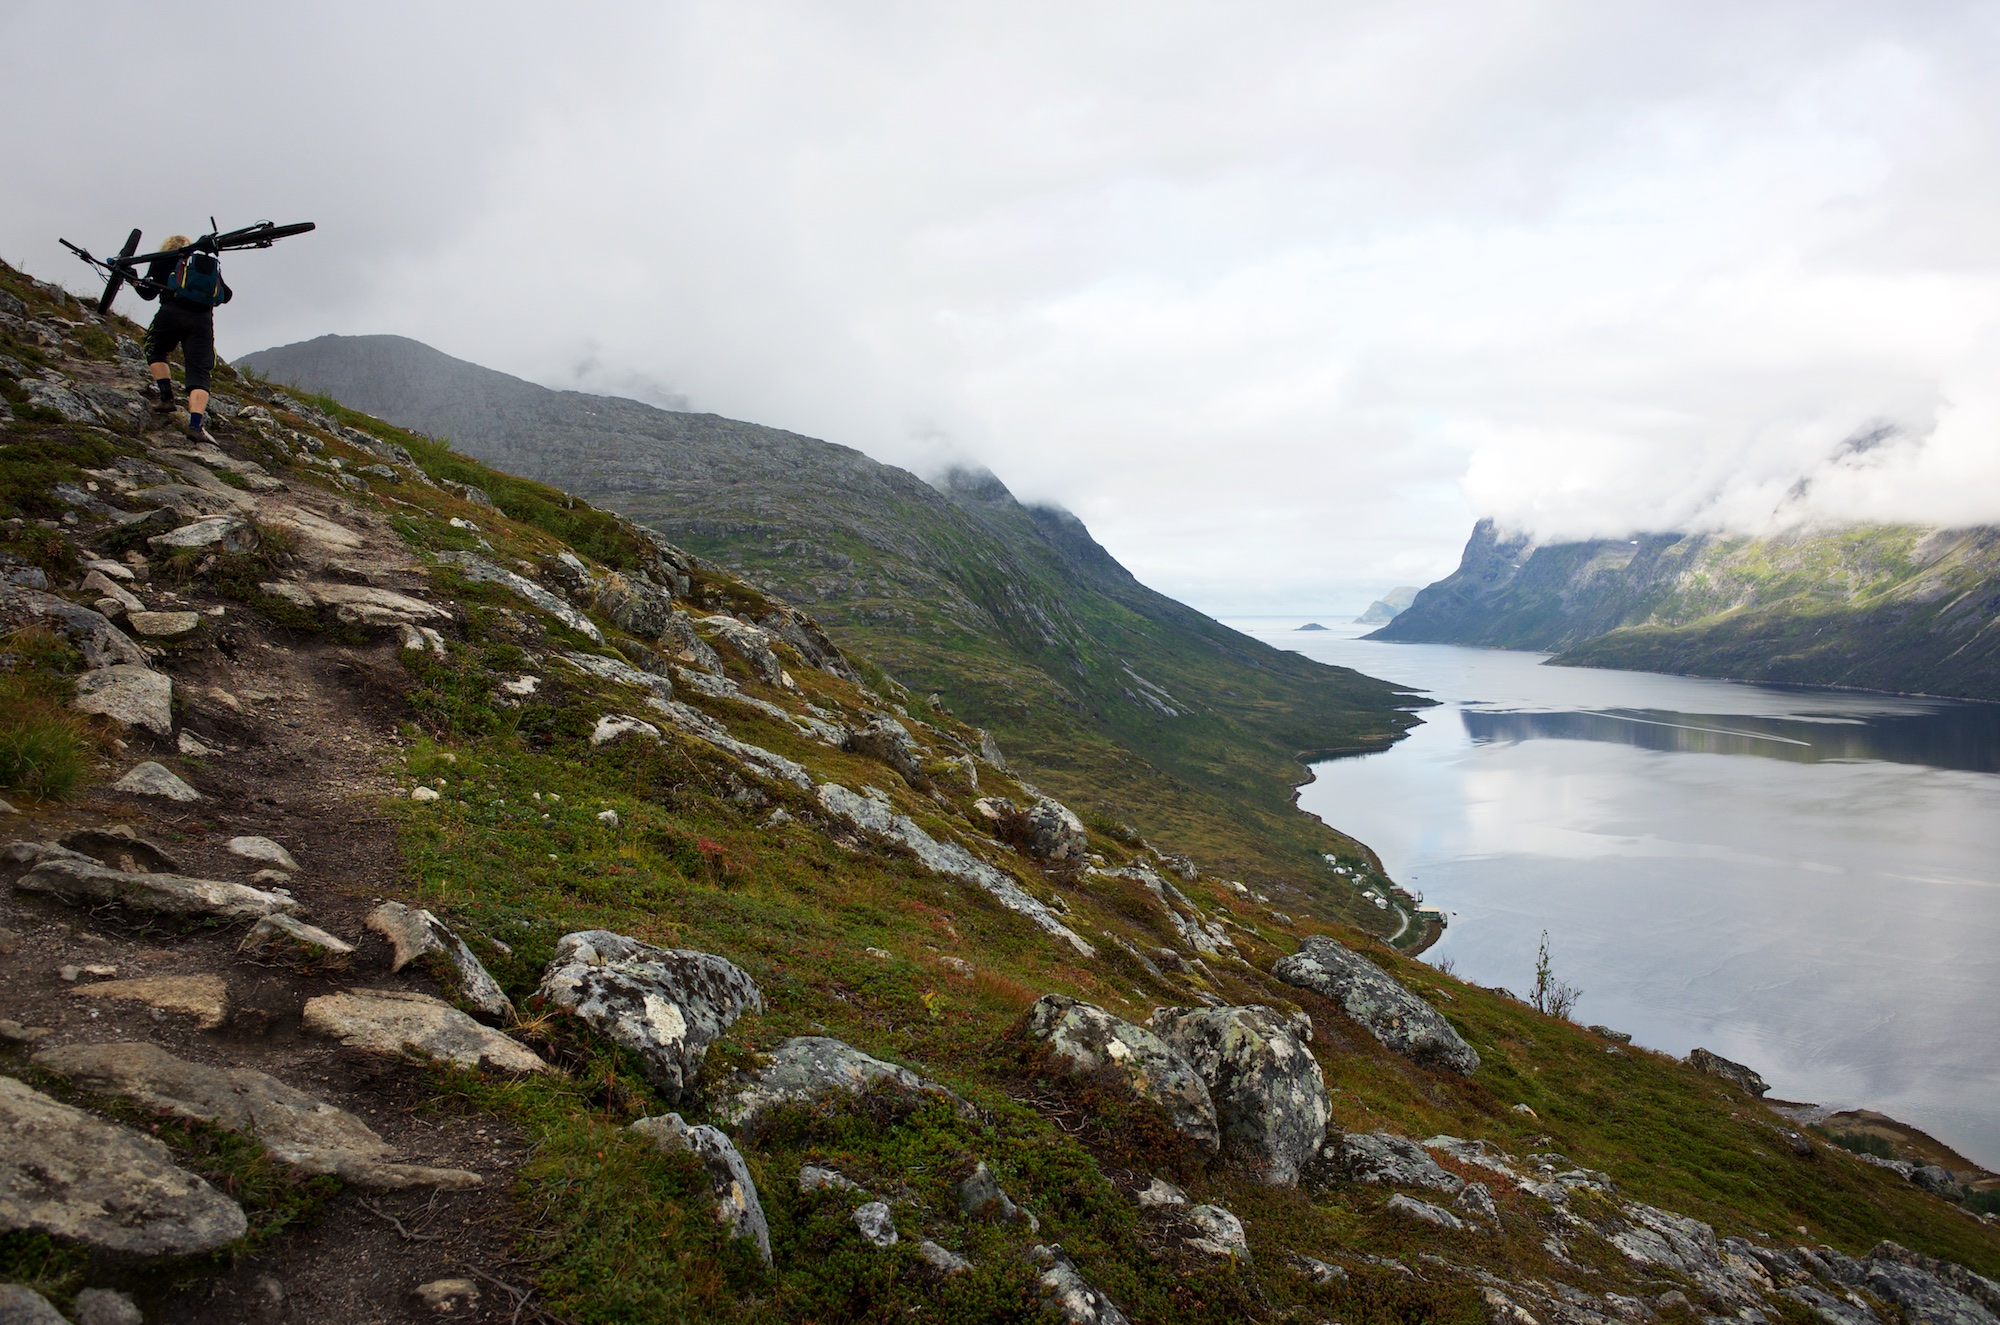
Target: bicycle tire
[(261, 236), (117, 278)]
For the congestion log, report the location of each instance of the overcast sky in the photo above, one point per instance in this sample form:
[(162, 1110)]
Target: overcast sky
[(1277, 297)]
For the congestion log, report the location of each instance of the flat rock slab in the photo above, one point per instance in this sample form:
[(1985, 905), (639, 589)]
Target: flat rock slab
[(396, 1024), (293, 1126), (264, 851), (151, 779), (1089, 1040), (226, 533), (203, 997), (413, 933), (163, 625), (71, 1175), (1270, 1096), (84, 882), (736, 1203), (129, 693), (366, 606), (664, 1004), (1378, 1003), (121, 849), (806, 1067)]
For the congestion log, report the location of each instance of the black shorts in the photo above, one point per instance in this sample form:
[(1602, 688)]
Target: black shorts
[(193, 330)]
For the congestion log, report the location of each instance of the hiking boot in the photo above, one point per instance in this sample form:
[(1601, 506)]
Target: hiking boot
[(163, 406), (197, 433)]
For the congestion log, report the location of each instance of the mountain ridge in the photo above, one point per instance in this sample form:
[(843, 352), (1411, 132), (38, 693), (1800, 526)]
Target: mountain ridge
[(1902, 608), (1014, 615)]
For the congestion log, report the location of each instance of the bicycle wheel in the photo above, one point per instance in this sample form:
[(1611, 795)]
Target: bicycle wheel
[(117, 280)]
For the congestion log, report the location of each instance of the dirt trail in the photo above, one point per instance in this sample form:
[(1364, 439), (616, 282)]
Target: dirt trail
[(301, 729)]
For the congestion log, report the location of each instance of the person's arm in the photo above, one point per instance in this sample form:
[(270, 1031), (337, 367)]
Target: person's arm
[(227, 293)]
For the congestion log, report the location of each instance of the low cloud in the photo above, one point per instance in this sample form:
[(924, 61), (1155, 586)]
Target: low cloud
[(1278, 298)]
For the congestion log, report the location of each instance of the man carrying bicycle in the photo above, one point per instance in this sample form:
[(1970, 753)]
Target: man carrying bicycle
[(189, 286)]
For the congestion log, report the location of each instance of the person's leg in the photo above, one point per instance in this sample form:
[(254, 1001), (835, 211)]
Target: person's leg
[(159, 344), (198, 353)]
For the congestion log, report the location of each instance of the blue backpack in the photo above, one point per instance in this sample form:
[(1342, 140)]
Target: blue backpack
[(197, 278)]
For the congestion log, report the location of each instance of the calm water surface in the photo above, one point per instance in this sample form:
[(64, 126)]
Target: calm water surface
[(1807, 881)]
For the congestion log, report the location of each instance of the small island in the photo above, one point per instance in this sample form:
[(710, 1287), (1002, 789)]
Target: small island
[(1312, 625)]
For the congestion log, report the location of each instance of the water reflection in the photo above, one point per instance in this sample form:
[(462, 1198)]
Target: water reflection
[(1803, 880), (1964, 737)]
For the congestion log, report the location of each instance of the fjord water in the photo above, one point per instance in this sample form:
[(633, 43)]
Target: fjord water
[(1807, 881)]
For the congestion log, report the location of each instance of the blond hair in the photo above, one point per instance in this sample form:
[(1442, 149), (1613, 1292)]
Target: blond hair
[(174, 241)]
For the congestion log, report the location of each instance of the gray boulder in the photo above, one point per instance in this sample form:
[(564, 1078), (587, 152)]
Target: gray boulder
[(84, 882), (151, 779), (103, 644), (293, 1126), (1475, 1201), (1055, 833), (806, 1067), (1090, 1040), (1425, 1213), (736, 1202), (804, 634), (224, 533), (1214, 1231), (481, 571), (889, 741), (414, 933), (22, 1305), (129, 693), (1388, 1160), (1378, 1003), (980, 1196), (750, 643), (67, 1174), (395, 1023), (1736, 1074), (635, 606), (1069, 1294), (264, 851), (1270, 1096), (287, 938), (664, 1004)]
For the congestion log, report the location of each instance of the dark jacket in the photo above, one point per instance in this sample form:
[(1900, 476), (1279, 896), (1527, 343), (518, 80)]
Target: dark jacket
[(157, 272)]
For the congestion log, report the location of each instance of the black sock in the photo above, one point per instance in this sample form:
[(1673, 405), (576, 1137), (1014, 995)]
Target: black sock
[(194, 421), (166, 385)]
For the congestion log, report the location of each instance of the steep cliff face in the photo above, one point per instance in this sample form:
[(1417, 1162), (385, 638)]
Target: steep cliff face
[(1014, 615), (1904, 608)]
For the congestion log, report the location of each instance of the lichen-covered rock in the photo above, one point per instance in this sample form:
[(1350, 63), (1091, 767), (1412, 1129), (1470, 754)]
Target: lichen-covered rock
[(634, 606), (84, 882), (1073, 1297), (806, 1067), (1378, 1003), (1212, 1230), (804, 634), (664, 1004), (225, 533), (70, 1175), (1736, 1074), (413, 933), (1475, 1201), (479, 570), (1055, 833), (292, 1125), (875, 1223), (395, 1023), (736, 1203), (1388, 1160), (1090, 1040), (1270, 1096)]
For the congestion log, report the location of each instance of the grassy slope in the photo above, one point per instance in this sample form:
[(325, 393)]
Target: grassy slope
[(622, 1235), (1014, 616)]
